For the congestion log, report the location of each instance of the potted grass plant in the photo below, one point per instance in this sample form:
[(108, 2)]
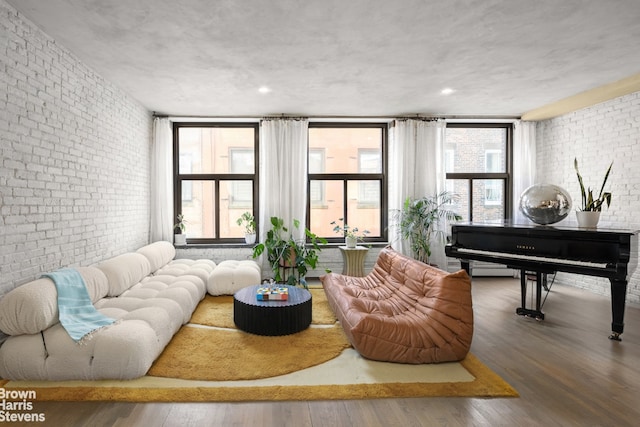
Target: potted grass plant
[(588, 214)]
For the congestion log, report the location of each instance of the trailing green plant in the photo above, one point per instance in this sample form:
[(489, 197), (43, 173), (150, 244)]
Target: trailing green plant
[(588, 201), (181, 224), (417, 219), (284, 251), (247, 221)]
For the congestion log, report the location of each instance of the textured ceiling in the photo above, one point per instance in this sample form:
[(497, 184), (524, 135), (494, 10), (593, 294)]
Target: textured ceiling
[(347, 57)]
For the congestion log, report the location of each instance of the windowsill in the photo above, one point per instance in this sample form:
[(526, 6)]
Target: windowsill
[(365, 244), (213, 245), (332, 245)]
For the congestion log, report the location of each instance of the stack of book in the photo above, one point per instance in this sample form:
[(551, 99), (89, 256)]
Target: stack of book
[(272, 293)]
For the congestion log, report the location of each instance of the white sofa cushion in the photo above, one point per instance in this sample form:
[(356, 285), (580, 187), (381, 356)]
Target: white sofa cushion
[(182, 292), (33, 307), (193, 285), (159, 254), (231, 276), (124, 350), (201, 268), (124, 271)]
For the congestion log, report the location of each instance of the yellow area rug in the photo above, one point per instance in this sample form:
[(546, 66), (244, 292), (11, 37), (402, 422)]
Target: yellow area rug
[(232, 355), (211, 361)]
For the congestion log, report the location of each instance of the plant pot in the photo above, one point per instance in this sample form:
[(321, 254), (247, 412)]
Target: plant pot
[(350, 241), (250, 239), (288, 260), (180, 239), (588, 219)]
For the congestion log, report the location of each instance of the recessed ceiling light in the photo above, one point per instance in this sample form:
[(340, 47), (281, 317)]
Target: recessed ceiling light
[(264, 89), (447, 91)]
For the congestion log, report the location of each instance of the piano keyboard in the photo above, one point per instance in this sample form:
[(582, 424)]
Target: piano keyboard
[(504, 255)]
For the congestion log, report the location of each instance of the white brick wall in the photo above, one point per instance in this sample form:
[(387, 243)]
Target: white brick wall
[(74, 176), (598, 135)]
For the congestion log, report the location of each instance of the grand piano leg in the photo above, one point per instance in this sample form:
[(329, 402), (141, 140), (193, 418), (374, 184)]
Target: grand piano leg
[(466, 266), (523, 310), (618, 300)]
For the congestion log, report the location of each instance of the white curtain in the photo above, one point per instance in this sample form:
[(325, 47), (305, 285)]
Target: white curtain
[(283, 172), (161, 221), (524, 164), (416, 169)]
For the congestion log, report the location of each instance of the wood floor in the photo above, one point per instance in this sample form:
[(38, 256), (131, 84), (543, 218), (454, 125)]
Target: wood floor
[(567, 371)]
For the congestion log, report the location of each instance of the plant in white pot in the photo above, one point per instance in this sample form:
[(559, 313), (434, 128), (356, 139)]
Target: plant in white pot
[(180, 238), (351, 234), (249, 223), (589, 213)]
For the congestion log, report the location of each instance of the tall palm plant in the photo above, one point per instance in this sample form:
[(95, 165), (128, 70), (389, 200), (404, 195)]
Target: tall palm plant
[(417, 222)]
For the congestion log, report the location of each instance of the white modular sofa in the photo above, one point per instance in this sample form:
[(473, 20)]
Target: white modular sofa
[(147, 291)]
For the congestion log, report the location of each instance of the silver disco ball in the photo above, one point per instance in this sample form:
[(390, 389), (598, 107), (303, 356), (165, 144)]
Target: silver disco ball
[(545, 203)]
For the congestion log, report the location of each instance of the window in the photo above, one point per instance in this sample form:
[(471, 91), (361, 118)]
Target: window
[(215, 179), (317, 188), (185, 169), (477, 169), (369, 161), (347, 178), (493, 187), (241, 160), (449, 165)]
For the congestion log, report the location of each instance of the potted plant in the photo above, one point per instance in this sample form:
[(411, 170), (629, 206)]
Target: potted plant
[(417, 218), (351, 234), (589, 213), (285, 252), (248, 222), (181, 237)]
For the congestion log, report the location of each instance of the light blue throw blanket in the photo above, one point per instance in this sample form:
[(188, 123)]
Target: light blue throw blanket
[(76, 312)]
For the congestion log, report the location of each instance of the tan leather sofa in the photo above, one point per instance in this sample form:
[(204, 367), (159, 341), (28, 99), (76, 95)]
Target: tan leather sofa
[(404, 311)]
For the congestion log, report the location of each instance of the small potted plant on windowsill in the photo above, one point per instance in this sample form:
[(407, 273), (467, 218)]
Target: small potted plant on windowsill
[(589, 213), (248, 222), (180, 239), (351, 234)]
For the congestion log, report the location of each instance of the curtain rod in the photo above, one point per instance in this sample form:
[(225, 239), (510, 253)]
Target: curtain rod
[(283, 117), (423, 119), (328, 117)]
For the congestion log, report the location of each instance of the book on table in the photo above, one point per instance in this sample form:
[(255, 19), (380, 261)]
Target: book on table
[(272, 293)]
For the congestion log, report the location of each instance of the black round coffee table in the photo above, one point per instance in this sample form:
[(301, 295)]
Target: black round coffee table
[(272, 317)]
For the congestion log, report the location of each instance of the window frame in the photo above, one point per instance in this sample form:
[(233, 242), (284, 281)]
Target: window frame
[(489, 187), (362, 187), (238, 203), (346, 177), (506, 176), (318, 203), (216, 178)]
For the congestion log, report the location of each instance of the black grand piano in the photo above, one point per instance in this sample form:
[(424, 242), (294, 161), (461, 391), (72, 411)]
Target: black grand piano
[(542, 250)]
